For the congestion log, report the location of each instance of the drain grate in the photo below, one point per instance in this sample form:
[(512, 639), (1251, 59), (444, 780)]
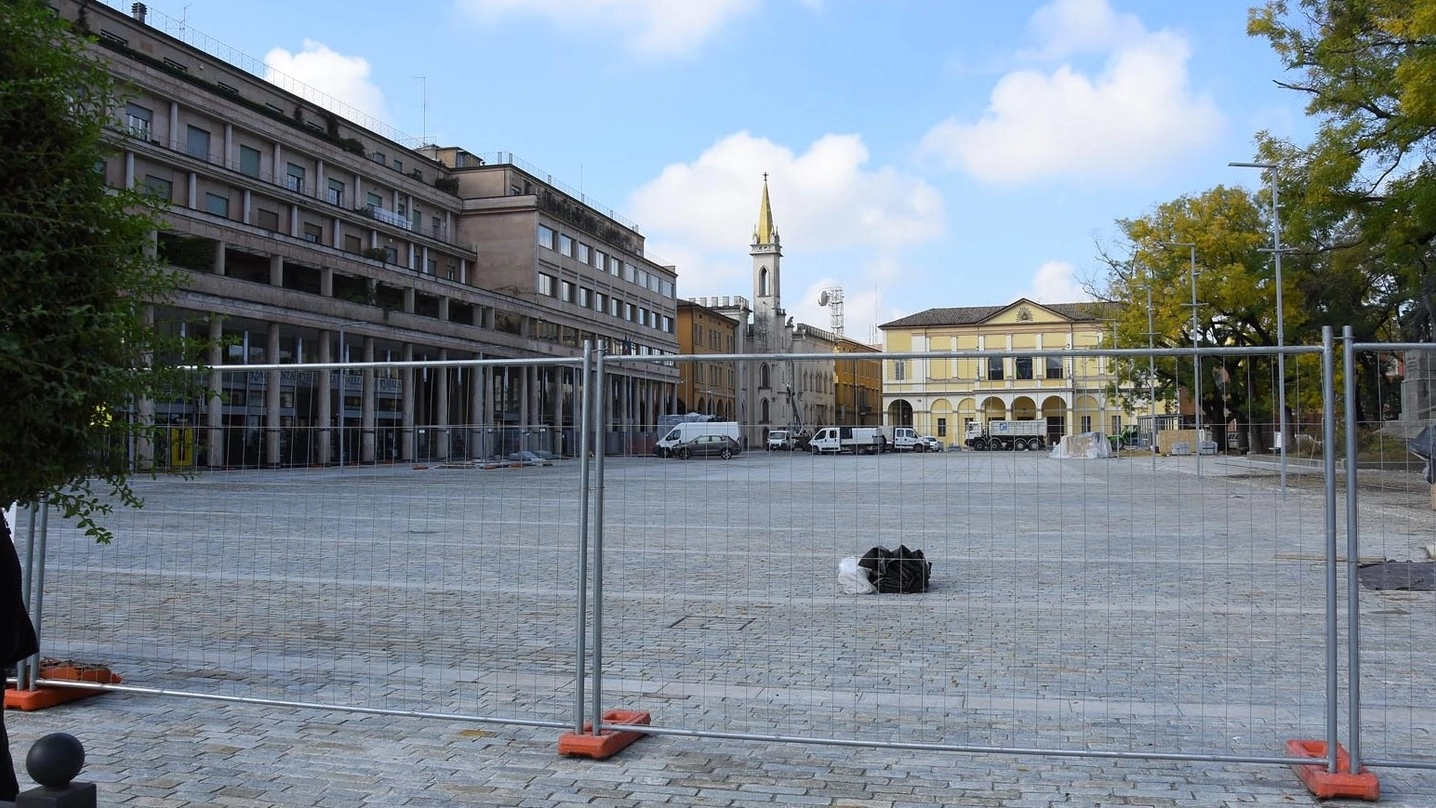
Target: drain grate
[(1412, 576), (708, 623)]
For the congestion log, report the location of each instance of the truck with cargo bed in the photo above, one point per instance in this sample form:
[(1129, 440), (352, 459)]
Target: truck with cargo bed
[(1021, 436)]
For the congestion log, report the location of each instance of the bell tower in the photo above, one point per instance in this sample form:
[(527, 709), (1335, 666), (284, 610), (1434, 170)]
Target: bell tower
[(767, 262)]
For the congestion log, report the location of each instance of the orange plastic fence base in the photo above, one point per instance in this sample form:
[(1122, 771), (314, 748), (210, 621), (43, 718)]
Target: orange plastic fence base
[(1326, 785), (44, 697), (607, 743)]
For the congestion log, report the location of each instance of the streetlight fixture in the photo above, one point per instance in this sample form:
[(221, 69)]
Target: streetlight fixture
[(1196, 360), (1270, 169)]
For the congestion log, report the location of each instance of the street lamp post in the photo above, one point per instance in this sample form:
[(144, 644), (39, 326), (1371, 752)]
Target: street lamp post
[(1276, 250), (1196, 360)]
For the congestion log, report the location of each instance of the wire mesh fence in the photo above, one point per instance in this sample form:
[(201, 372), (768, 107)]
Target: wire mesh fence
[(1132, 602)]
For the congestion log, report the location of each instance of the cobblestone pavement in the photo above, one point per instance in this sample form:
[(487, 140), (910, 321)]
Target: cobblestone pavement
[(1127, 607)]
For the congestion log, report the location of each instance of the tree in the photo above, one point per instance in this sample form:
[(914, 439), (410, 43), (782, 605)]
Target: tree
[(77, 277), (1363, 193), (1235, 290)]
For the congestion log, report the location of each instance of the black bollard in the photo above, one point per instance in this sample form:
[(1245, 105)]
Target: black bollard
[(53, 762)]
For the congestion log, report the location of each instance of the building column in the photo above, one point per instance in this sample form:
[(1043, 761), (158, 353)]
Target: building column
[(367, 407), (214, 403), (326, 410), (276, 271), (442, 375), (525, 386), (406, 407), (326, 282), (556, 439), (271, 398)]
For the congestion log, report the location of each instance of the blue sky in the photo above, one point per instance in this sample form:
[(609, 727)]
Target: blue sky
[(920, 153)]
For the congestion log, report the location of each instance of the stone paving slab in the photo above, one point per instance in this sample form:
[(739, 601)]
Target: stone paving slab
[(1111, 546)]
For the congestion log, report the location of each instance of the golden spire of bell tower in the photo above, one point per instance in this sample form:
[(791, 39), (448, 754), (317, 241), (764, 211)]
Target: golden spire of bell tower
[(765, 233)]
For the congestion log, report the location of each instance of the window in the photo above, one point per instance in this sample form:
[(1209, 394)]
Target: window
[(547, 285), (666, 288), (585, 296), (629, 273), (899, 370), (1054, 367), (398, 164), (249, 161), (565, 246), (565, 289), (352, 244), (614, 305), (267, 219), (942, 427), (216, 204), (545, 237), (642, 316), (160, 187), (178, 67), (583, 257), (197, 142), (764, 410), (600, 260), (642, 278), (313, 233), (667, 324), (138, 120), (994, 368), (1023, 367), (336, 192), (1086, 423), (600, 302), (294, 179), (628, 311), (763, 381), (374, 200)]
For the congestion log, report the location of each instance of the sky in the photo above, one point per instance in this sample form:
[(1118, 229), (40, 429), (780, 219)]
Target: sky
[(919, 153)]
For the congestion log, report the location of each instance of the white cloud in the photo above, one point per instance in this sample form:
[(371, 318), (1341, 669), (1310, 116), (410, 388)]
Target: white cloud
[(1135, 114), (841, 223), (655, 28), (1056, 282), (327, 76)]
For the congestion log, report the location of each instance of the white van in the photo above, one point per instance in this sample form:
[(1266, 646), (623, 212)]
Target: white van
[(691, 429), (854, 439)]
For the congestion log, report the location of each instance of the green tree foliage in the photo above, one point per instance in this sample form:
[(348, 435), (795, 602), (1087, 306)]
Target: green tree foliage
[(1362, 194), (1236, 294), (77, 348)]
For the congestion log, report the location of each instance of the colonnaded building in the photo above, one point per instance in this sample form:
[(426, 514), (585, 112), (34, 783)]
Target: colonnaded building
[(303, 235), (940, 396)]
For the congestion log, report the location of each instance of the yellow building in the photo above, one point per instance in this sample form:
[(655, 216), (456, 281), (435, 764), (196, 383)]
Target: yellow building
[(707, 387), (858, 391), (1022, 380)]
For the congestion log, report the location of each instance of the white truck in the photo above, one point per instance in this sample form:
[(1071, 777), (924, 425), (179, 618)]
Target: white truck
[(1022, 436), (688, 430), (907, 439), (854, 439), (780, 440)]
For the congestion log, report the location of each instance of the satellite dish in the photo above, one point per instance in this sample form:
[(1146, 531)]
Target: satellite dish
[(823, 298)]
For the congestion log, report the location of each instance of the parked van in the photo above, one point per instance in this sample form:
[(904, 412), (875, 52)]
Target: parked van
[(855, 439), (689, 430)]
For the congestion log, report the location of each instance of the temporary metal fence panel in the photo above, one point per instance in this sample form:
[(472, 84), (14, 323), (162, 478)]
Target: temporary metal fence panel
[(1140, 605), (438, 579), (1390, 609)]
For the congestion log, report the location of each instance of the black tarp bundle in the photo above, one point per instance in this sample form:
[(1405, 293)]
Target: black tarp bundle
[(901, 570)]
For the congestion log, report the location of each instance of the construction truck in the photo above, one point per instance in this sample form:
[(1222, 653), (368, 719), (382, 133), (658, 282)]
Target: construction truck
[(1021, 436), (907, 439), (796, 436)]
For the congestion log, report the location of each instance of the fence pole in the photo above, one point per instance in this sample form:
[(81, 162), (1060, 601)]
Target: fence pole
[(1328, 427), (1353, 541), (585, 428), (599, 415)]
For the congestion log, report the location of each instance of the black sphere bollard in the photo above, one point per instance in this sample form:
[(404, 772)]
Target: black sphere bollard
[(53, 762)]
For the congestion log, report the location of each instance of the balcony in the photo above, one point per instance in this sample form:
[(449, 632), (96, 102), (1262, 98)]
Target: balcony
[(387, 217)]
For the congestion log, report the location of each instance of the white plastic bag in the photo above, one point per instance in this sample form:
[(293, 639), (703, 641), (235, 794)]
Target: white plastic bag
[(854, 579)]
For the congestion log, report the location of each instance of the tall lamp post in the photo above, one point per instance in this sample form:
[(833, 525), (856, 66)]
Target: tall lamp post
[(1276, 249), (1196, 360)]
